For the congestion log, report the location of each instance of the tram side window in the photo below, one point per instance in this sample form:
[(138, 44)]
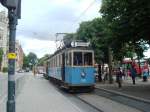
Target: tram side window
[(77, 59), (69, 59), (60, 60), (88, 59)]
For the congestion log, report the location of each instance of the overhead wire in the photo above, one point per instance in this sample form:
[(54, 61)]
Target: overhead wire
[(89, 6), (82, 14)]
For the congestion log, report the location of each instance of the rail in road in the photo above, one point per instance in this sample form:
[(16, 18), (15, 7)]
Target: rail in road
[(88, 103), (134, 102), (93, 102)]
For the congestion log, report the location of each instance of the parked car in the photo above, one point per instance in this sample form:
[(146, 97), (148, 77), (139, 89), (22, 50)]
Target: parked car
[(27, 70), (20, 71)]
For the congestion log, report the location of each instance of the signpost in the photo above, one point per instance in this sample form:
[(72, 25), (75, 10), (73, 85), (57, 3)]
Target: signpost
[(14, 13)]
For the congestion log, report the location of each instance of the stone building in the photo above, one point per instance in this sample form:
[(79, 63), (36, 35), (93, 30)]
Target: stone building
[(20, 55), (4, 34)]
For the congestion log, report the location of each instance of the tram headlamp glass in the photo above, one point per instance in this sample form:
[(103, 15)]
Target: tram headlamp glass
[(83, 74)]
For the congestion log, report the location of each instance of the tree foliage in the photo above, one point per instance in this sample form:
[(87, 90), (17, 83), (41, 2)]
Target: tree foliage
[(128, 19), (93, 31), (30, 60), (127, 23), (1, 54), (124, 26), (25, 62), (68, 38), (41, 61)]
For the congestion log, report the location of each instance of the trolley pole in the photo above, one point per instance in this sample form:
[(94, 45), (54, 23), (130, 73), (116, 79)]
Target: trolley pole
[(11, 62)]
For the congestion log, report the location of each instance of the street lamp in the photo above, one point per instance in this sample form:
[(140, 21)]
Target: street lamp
[(14, 13)]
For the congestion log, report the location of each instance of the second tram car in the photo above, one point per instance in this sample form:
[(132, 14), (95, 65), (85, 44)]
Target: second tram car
[(72, 67)]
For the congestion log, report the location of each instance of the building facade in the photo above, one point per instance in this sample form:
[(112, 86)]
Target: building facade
[(4, 34), (20, 55)]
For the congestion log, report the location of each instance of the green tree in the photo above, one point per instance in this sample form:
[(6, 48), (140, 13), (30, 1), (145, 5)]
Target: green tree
[(26, 62), (42, 60), (93, 31), (68, 38), (1, 56), (127, 20), (32, 58)]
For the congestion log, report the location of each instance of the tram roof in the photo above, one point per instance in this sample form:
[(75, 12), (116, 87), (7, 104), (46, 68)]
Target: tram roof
[(70, 48)]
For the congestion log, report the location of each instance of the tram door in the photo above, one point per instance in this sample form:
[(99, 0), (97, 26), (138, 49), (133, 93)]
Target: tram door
[(63, 67)]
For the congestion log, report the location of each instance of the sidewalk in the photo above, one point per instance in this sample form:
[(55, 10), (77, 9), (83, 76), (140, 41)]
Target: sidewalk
[(140, 90), (38, 95)]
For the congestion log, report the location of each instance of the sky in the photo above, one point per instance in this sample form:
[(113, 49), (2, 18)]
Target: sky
[(42, 19)]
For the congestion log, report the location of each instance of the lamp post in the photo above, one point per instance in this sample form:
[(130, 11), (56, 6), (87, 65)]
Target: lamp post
[(14, 13)]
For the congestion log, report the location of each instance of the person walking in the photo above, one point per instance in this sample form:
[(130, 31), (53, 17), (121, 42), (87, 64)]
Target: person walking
[(133, 73), (145, 72), (106, 74), (119, 77)]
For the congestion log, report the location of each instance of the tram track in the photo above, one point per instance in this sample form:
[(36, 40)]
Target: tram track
[(77, 100), (84, 100), (137, 103)]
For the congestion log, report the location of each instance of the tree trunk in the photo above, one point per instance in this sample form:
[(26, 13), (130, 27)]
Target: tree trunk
[(139, 66), (110, 65), (99, 73), (0, 65)]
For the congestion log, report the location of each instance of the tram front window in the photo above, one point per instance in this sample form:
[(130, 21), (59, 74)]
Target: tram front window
[(82, 59), (88, 59), (78, 61)]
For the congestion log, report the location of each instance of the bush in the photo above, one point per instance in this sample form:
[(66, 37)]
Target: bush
[(5, 69)]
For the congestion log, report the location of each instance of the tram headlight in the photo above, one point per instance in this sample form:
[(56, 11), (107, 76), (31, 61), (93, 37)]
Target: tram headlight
[(83, 75)]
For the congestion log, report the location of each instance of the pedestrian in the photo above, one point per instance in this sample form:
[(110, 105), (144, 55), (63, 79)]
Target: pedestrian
[(128, 73), (119, 77), (106, 74), (133, 73), (124, 74), (34, 71), (145, 72)]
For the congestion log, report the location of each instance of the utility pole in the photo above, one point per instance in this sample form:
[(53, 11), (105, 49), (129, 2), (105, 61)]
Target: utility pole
[(14, 13), (11, 61)]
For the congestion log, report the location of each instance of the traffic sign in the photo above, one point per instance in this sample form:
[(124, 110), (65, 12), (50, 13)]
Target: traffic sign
[(12, 56)]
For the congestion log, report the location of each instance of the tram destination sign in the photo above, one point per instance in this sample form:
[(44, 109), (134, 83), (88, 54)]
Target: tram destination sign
[(80, 44)]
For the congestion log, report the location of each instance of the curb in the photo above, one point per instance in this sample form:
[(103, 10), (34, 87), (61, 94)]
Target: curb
[(125, 95)]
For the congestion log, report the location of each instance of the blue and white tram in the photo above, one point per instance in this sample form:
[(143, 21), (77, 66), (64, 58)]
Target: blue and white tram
[(73, 67)]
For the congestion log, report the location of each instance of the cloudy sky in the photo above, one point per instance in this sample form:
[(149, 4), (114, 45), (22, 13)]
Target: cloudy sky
[(42, 19)]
